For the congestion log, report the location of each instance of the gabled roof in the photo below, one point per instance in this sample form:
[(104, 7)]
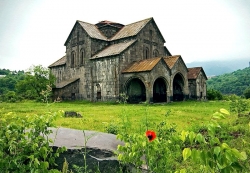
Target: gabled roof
[(143, 65), (61, 61), (194, 72), (171, 60), (131, 29), (66, 82), (113, 49), (90, 29)]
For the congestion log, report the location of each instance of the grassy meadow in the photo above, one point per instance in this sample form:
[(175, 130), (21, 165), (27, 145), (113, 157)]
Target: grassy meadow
[(97, 116)]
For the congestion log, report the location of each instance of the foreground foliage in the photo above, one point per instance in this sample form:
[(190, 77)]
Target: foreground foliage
[(176, 137), (24, 144)]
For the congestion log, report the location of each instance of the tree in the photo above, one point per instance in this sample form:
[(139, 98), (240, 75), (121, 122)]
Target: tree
[(36, 80), (213, 94), (247, 93)]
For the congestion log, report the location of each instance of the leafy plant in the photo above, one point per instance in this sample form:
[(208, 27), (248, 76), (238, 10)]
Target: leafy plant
[(239, 105), (24, 143), (210, 153)]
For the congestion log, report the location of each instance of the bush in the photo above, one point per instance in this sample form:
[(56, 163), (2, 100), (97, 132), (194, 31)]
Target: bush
[(213, 94)]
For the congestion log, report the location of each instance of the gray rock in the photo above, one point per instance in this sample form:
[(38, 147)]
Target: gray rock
[(72, 114), (100, 149)]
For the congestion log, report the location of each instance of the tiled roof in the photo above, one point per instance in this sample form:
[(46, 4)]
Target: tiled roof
[(143, 65), (131, 29), (92, 30), (113, 49), (61, 61), (66, 82), (171, 60), (194, 72)]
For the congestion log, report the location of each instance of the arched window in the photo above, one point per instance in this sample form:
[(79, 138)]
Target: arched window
[(155, 53), (146, 52), (82, 60), (73, 59)]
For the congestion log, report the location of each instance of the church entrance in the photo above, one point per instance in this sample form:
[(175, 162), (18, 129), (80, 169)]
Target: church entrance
[(178, 85), (159, 91), (136, 91)]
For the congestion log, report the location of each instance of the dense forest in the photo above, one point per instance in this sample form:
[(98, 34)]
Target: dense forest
[(231, 83)]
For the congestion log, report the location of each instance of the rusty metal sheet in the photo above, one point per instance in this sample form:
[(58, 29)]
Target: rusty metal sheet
[(143, 65), (131, 29), (193, 72), (171, 60), (113, 49)]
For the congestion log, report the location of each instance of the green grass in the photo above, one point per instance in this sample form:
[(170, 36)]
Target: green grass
[(98, 115)]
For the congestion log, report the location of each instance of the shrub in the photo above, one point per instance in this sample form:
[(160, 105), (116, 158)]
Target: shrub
[(213, 94), (24, 144)]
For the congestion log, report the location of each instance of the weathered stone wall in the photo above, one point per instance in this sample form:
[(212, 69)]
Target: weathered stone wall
[(201, 86), (69, 92), (149, 38), (106, 78)]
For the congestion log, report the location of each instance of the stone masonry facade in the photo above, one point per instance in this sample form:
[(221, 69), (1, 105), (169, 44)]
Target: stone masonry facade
[(107, 59)]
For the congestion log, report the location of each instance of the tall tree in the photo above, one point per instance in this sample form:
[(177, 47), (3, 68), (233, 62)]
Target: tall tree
[(35, 81)]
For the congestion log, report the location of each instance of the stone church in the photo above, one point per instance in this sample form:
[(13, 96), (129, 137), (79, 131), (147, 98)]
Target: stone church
[(106, 59)]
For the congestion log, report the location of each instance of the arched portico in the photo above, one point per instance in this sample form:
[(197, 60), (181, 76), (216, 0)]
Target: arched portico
[(178, 87), (159, 90), (136, 91)]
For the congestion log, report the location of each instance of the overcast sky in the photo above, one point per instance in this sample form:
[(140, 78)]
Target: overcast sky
[(33, 32)]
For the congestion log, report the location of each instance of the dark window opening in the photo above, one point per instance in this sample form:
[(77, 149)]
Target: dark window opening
[(72, 59)]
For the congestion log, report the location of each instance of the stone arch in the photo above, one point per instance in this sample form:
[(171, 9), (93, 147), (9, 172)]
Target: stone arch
[(178, 87), (160, 90), (135, 90)]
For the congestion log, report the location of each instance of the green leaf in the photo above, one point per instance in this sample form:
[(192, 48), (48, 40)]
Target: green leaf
[(224, 111), (225, 146), (183, 135), (45, 165), (195, 155), (191, 137), (200, 138), (218, 115), (203, 157), (217, 150), (243, 156), (229, 156), (186, 153), (183, 171)]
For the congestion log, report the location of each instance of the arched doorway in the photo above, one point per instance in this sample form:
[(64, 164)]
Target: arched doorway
[(159, 91), (178, 85), (136, 91)]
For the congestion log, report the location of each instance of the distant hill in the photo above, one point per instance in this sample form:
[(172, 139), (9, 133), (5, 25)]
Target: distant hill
[(215, 68), (231, 83)]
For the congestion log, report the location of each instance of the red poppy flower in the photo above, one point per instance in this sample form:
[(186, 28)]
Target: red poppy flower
[(150, 135)]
